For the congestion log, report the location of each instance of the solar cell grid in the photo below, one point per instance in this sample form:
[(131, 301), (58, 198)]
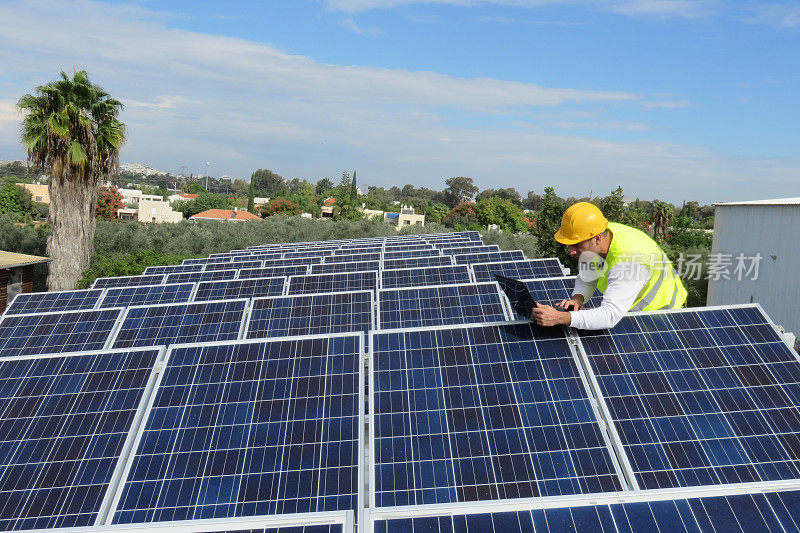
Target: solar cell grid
[(490, 257), (700, 397), (169, 269), (274, 271), (249, 428), (258, 257), (415, 277), (482, 412), (307, 253), (206, 275), (411, 253), (408, 247), (440, 305), (417, 262), (340, 282), (237, 265), (205, 260), (357, 250), (58, 332), (42, 302), (65, 419), (527, 269), (352, 257), (240, 288), (550, 291), (127, 281), (345, 267), (314, 314), (147, 294), (293, 262), (759, 510), (176, 323), (463, 250)]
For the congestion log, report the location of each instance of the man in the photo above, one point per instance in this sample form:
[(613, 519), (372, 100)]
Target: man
[(625, 264)]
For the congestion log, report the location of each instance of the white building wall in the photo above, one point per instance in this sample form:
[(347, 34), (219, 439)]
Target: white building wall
[(774, 232)]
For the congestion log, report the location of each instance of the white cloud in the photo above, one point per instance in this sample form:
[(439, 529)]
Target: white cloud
[(351, 25), (782, 15), (663, 8)]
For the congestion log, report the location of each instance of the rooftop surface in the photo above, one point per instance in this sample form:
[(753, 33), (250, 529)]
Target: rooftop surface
[(777, 201), (225, 214), (13, 260)]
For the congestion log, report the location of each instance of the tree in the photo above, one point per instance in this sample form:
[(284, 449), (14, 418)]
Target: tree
[(508, 194), (267, 183), (503, 212), (662, 216), (462, 217), (72, 130), (194, 188), (251, 198), (240, 187), (323, 187), (203, 202), (548, 221), (344, 182), (378, 198), (109, 200), (354, 189), (282, 206), (613, 207), (436, 212), (11, 199), (459, 189)]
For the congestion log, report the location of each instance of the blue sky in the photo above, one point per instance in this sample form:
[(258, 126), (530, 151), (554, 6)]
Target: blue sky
[(672, 99)]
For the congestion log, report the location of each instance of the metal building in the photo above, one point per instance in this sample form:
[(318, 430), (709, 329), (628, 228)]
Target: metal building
[(755, 257)]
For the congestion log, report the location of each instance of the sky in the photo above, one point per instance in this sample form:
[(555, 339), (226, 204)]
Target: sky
[(670, 99)]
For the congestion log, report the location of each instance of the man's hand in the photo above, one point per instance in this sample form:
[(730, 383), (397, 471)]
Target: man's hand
[(544, 315), (576, 301)]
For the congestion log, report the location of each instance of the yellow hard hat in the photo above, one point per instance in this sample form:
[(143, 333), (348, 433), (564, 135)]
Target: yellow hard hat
[(581, 221)]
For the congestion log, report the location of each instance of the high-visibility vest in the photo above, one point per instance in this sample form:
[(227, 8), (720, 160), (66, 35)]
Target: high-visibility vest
[(664, 289)]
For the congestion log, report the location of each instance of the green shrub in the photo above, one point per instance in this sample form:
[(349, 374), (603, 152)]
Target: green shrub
[(124, 264)]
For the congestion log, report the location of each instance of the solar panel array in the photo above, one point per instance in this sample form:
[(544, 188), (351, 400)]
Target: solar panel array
[(236, 389)]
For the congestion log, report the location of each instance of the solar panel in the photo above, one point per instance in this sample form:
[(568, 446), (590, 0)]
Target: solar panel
[(352, 258), (417, 262), (449, 247), (408, 247), (440, 305), (240, 288), (147, 294), (415, 277), (463, 250), (527, 269), (340, 282), (58, 332), (292, 262), (328, 268), (250, 428), (196, 277), (323, 522), (65, 421), (358, 249), (308, 253), (700, 397), (490, 257), (42, 302), (288, 316), (411, 253), (274, 271), (176, 323), (127, 281), (258, 257), (238, 265), (745, 511), (550, 291), (205, 260), (482, 412), (170, 269)]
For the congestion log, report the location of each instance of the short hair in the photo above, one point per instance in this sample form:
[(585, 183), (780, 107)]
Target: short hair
[(606, 232)]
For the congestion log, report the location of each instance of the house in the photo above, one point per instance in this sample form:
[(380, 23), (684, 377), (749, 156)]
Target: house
[(232, 215), (400, 219), (183, 197), (154, 209), (39, 192), (16, 274)]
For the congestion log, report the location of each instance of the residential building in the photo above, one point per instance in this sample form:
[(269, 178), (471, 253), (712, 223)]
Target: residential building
[(151, 209), (16, 275), (232, 215), (400, 219), (138, 168), (754, 257), (39, 192), (184, 197)]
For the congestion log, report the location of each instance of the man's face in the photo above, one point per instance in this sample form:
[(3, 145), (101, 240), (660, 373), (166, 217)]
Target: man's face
[(589, 245)]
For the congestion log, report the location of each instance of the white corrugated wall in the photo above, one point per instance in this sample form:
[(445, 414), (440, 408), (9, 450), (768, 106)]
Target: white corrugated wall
[(773, 231)]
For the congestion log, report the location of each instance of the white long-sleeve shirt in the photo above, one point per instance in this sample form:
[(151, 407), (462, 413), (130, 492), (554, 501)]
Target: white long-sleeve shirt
[(625, 281)]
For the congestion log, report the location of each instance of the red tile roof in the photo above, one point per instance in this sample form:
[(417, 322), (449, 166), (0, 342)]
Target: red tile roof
[(188, 196), (226, 214)]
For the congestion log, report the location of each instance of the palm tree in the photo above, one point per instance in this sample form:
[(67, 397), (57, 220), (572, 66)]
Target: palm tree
[(662, 216), (72, 131)]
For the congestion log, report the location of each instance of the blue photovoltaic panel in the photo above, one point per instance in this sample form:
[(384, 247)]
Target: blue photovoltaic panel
[(760, 510), (417, 262), (700, 397), (257, 257), (527, 269), (490, 257), (196, 277), (42, 302), (205, 260), (128, 281), (147, 294), (451, 243), (288, 316), (292, 262), (352, 258), (65, 419), (171, 269), (60, 332), (341, 282), (408, 247), (329, 268), (178, 323), (307, 253), (482, 412), (410, 254), (356, 250), (467, 248), (551, 291), (274, 271), (250, 428), (417, 277), (238, 265), (439, 306), (239, 288)]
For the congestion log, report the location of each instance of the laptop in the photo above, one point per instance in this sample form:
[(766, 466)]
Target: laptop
[(522, 301)]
